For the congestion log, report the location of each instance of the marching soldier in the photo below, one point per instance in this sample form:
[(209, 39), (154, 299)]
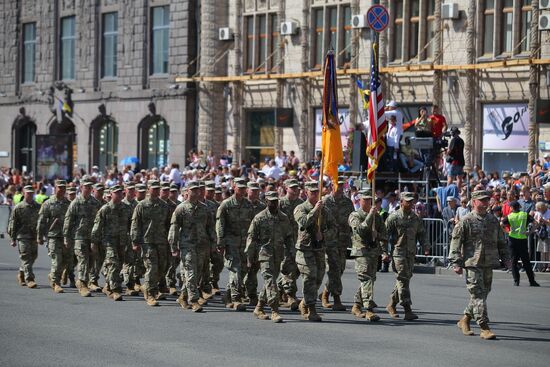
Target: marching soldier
[(369, 241), (269, 239), (98, 256), (477, 244), (341, 207), (289, 270), (128, 267), (251, 276), (50, 225), (77, 229), (313, 232), (110, 231), (148, 232), (22, 230), (216, 257), (404, 228), (232, 222), (205, 248), (173, 261)]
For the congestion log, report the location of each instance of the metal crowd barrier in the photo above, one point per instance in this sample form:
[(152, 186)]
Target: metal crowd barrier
[(532, 246), (4, 218), (438, 234)]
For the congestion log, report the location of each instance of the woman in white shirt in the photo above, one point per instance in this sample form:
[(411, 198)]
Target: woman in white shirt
[(542, 224)]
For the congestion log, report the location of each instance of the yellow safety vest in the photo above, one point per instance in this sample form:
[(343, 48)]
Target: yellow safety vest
[(518, 225)]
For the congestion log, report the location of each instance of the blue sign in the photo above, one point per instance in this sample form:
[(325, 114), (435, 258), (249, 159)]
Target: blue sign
[(378, 18)]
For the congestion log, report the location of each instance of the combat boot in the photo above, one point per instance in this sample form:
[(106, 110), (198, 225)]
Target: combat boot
[(324, 299), (371, 316), (409, 315), (107, 291), (202, 301), (238, 306), (196, 307), (227, 300), (253, 300), (84, 291), (64, 277), (72, 283), (391, 310), (116, 296), (303, 309), (206, 296), (21, 279), (259, 311), (32, 284), (215, 288), (57, 288), (182, 301), (356, 311), (131, 292), (137, 287), (94, 287), (160, 296), (151, 301), (50, 281), (312, 314), (338, 306), (275, 316), (464, 325), (486, 333), (292, 303), (173, 291)]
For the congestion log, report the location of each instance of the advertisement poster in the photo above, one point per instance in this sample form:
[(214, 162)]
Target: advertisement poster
[(53, 157), (505, 127), (345, 126)]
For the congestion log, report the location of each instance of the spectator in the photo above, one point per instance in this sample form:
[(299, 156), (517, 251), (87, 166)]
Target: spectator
[(408, 157), (175, 175), (392, 110), (463, 209), (423, 124), (439, 123), (541, 225), (527, 203), (281, 159), (449, 212), (393, 137), (293, 160), (165, 176), (456, 158), (393, 203)]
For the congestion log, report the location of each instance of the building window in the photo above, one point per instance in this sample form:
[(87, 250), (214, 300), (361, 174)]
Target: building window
[(250, 36), (336, 21), (109, 43), (346, 53), (105, 144), (318, 37), (488, 26), (153, 141), (397, 44), (526, 15), (507, 20), (260, 135), (159, 39), (68, 47), (274, 43), (29, 53), (262, 43), (414, 26), (430, 30), (333, 29)]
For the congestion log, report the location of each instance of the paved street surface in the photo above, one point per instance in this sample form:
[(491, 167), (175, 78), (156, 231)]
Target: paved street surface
[(40, 328)]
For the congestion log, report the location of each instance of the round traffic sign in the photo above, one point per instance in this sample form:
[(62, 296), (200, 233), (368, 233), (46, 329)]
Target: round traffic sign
[(378, 18)]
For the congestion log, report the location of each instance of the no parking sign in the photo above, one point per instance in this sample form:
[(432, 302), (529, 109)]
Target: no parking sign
[(378, 18)]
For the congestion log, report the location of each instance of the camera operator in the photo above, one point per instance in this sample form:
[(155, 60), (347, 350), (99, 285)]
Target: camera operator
[(455, 156)]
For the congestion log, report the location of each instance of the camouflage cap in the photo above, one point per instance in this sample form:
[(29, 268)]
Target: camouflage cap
[(153, 184), (271, 196), (28, 188), (60, 183), (312, 186), (174, 188), (130, 186), (99, 186), (191, 185), (86, 181), (480, 195), (71, 190), (116, 188), (365, 194), (202, 185), (240, 182), (292, 183), (210, 185), (253, 185), (341, 180), (141, 187), (165, 185), (407, 196), (218, 190)]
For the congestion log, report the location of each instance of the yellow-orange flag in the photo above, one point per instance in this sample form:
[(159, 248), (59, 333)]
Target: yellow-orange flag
[(331, 146)]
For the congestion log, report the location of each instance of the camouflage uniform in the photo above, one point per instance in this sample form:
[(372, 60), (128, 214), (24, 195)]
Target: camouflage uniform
[(366, 248), (232, 222), (404, 231), (477, 244), (289, 270), (77, 229), (99, 257), (149, 229), (110, 231), (336, 250), (132, 259), (269, 240), (50, 225), (251, 274), (216, 258), (173, 261), (22, 228)]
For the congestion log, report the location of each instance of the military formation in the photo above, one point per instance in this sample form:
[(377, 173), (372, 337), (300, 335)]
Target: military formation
[(145, 242)]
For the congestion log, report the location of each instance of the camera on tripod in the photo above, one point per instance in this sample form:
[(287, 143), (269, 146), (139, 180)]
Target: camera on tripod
[(443, 142)]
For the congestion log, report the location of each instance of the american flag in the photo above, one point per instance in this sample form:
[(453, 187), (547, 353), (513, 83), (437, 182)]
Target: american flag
[(377, 120)]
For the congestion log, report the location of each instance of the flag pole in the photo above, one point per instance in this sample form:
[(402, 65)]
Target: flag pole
[(373, 183)]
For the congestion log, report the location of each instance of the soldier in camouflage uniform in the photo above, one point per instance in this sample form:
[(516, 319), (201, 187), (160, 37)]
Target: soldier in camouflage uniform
[(310, 255), (205, 248), (404, 229), (139, 267), (269, 239), (369, 240), (289, 270), (173, 261), (68, 271), (50, 225), (71, 194), (190, 225), (149, 231), (22, 230), (98, 257), (77, 230), (110, 231), (216, 257), (251, 275), (232, 222), (336, 251), (477, 244), (130, 256), (164, 261)]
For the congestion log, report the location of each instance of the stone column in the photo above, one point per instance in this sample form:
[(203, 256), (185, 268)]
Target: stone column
[(470, 86), (237, 88), (438, 54), (304, 84), (533, 85)]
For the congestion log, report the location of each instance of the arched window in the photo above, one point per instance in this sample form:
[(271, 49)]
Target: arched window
[(23, 143), (104, 142), (154, 141)]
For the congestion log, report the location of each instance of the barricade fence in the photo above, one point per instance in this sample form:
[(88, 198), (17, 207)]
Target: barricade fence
[(438, 234)]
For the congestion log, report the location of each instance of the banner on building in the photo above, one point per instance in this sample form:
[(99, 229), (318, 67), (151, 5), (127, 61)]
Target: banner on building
[(505, 127), (345, 125), (53, 156)]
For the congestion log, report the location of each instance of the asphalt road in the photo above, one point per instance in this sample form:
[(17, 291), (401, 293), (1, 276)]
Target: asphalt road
[(40, 328)]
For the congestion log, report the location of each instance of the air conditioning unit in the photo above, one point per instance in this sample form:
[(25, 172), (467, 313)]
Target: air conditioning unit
[(449, 11), (544, 22), (544, 4), (225, 34), (289, 28), (359, 21)]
